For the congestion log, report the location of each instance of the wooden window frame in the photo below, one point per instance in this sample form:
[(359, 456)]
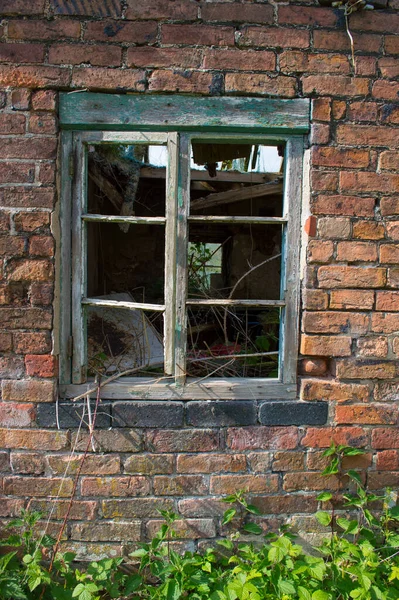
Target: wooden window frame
[(88, 118)]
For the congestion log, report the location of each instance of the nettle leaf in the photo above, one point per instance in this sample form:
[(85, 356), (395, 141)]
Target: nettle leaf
[(286, 587), (253, 509), (323, 518), (228, 516), (304, 594), (253, 528), (354, 475), (172, 590), (324, 497), (352, 451), (320, 595)]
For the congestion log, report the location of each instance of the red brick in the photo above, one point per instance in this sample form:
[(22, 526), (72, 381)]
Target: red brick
[(297, 61), (34, 77), (44, 100), (41, 365), (389, 253), (335, 322), (388, 460), (363, 111), (313, 367), (335, 85), (33, 147), (135, 507), (238, 13), (11, 245), (340, 157), (320, 251), (115, 486), (378, 481), (5, 341), (301, 15), (390, 113), (389, 161), (260, 462), (386, 391), (211, 463), (187, 528), (20, 99), (344, 205), (90, 8), (320, 133), (261, 84), (108, 79), (287, 504), (95, 464), (11, 367), (199, 35), (364, 181), (370, 414), (367, 135), (239, 60), (357, 251), (324, 180), (43, 123), (11, 507), (180, 485), (387, 301), (12, 172), (322, 390), (41, 245), (201, 507), (339, 109), (395, 345), (332, 40), (25, 318), (25, 197), (46, 173), (43, 29), (28, 463), (108, 531), (288, 461), (335, 276), (330, 345), (385, 438), (28, 390), (273, 37), (20, 7), (181, 81), (4, 221), (150, 464), (392, 228), (100, 55), (366, 369), (16, 415), (31, 221), (149, 56), (37, 486), (228, 484), (393, 278), (120, 31), (263, 438), (315, 299), (81, 510), (368, 230), (333, 227), (389, 206), (33, 439), (365, 65), (376, 346), (41, 293), (321, 109), (392, 44), (12, 123), (30, 270), (385, 323), (380, 21), (162, 9), (388, 67), (309, 481), (22, 53), (183, 440), (317, 437), (113, 440)]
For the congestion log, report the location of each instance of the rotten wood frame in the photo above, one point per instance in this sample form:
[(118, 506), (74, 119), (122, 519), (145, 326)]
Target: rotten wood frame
[(176, 220)]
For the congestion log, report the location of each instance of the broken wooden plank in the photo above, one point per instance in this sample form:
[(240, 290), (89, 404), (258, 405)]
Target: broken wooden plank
[(106, 187), (233, 302), (203, 175), (230, 196), (121, 219), (120, 304), (242, 220)]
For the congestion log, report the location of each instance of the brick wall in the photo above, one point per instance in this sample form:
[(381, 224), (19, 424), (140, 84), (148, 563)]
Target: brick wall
[(186, 455)]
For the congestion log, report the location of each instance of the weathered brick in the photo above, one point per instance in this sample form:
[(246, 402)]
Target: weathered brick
[(388, 67), (389, 206), (261, 84), (238, 60), (41, 294), (301, 15), (220, 414), (11, 367), (389, 253), (93, 464), (89, 8), (43, 123), (386, 90), (335, 85), (81, 510), (365, 65), (31, 221), (38, 486), (211, 463), (14, 172), (28, 463), (30, 270), (333, 227), (382, 21), (12, 123), (16, 414), (150, 56), (340, 157), (297, 61), (334, 276), (182, 440), (5, 341), (4, 222), (12, 245), (368, 230), (33, 439), (150, 464), (320, 133), (385, 438), (43, 29), (371, 414), (273, 37), (313, 366), (357, 252), (322, 437), (260, 462), (103, 78), (181, 81), (351, 299), (228, 484), (309, 481), (335, 322), (331, 345), (387, 301), (19, 7), (321, 389), (363, 111), (293, 413), (162, 9), (107, 532), (315, 299), (41, 245), (388, 460), (288, 461), (378, 481), (393, 277), (185, 529), (386, 391), (121, 31), (95, 55), (135, 507), (28, 390), (201, 507), (332, 40), (367, 368), (364, 181), (147, 414), (389, 161), (115, 486), (321, 109), (366, 135), (392, 44), (200, 35), (344, 205), (287, 504), (44, 100), (385, 322), (70, 415), (22, 197), (33, 148), (180, 485), (112, 440), (263, 438), (376, 346), (22, 53), (46, 173), (320, 251), (34, 77), (11, 507)]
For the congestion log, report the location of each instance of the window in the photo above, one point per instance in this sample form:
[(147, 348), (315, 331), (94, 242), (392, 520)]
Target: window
[(182, 218)]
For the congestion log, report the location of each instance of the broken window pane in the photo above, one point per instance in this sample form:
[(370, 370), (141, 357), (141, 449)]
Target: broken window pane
[(230, 260), (236, 180), (127, 180), (123, 339), (232, 341), (131, 262)]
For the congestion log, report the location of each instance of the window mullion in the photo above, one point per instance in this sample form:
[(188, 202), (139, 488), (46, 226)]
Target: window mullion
[(183, 195)]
